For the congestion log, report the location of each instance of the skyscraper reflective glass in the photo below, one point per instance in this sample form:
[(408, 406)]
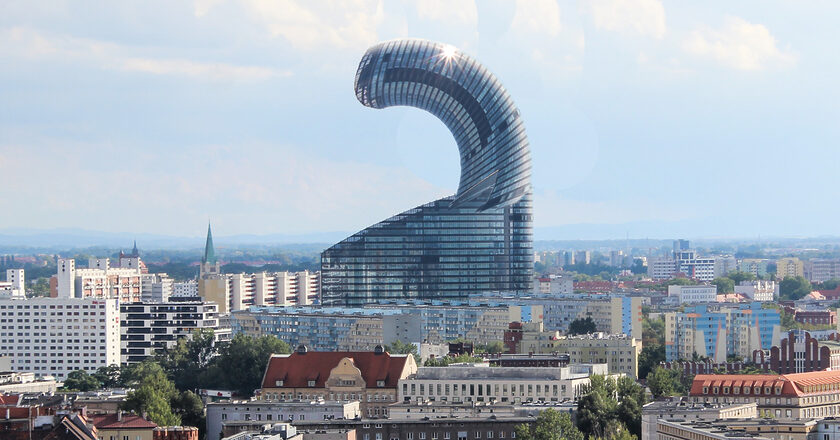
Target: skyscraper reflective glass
[(479, 239)]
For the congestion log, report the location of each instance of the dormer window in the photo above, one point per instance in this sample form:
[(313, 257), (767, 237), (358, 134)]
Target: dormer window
[(705, 390), (725, 390), (778, 390), (311, 383), (715, 390), (736, 390), (380, 383), (278, 383), (746, 390)]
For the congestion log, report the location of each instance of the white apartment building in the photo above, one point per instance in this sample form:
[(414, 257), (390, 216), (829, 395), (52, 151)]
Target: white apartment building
[(823, 269), (185, 289), (148, 328), (759, 290), (687, 263), (497, 384), (155, 287), (14, 286), (724, 264), (554, 285), (100, 279), (240, 291), (54, 336), (693, 294)]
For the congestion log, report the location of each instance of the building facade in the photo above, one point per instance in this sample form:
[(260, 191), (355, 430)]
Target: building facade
[(758, 290), (800, 353), (149, 328), (789, 267), (479, 239), (100, 279), (54, 336), (682, 408), (368, 377), (693, 294), (259, 412), (15, 285)]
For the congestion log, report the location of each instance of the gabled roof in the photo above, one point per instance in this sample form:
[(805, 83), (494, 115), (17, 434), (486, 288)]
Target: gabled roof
[(9, 400), (797, 384), (297, 369), (109, 421)]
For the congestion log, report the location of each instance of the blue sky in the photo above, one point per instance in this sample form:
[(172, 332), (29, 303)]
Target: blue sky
[(646, 118)]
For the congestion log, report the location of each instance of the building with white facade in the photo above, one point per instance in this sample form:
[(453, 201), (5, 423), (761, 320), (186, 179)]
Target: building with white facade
[(470, 383), (220, 414), (554, 285), (823, 269), (686, 262), (758, 290), (155, 287), (148, 328), (14, 286), (100, 279), (724, 264), (54, 336), (693, 294), (187, 288), (683, 408)]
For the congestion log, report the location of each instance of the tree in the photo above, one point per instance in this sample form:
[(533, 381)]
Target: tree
[(109, 376), (493, 347), (79, 380), (582, 326), (398, 347), (153, 394), (793, 288), (190, 408), (550, 425), (607, 401), (661, 382), (241, 363), (188, 356), (738, 277), (724, 285)]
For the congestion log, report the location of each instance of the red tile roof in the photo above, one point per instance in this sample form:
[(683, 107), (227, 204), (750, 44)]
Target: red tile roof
[(109, 421), (11, 399), (297, 369), (798, 384)]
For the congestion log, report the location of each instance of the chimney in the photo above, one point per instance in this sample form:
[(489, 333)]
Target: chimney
[(119, 416)]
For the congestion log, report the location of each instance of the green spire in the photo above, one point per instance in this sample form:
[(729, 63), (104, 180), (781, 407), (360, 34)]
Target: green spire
[(209, 252)]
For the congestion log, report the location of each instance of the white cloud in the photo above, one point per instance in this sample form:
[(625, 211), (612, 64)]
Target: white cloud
[(537, 16), (643, 17), (33, 44), (739, 44), (462, 12), (313, 25)]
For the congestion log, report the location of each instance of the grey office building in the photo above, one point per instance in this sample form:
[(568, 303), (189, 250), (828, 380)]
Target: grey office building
[(477, 240)]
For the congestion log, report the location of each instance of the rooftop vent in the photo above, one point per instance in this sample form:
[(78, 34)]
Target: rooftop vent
[(301, 349)]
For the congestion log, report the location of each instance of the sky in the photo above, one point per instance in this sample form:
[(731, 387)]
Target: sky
[(646, 118)]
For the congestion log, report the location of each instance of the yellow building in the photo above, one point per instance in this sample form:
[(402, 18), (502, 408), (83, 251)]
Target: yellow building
[(789, 267), (620, 352)]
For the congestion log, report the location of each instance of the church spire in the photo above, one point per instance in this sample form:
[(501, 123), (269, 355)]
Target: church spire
[(209, 252), (135, 252)]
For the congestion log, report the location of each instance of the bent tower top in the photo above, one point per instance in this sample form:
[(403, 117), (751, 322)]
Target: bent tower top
[(468, 99)]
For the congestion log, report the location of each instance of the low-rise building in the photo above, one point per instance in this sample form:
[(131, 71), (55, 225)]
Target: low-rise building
[(481, 428), (619, 352), (123, 426), (470, 383), (678, 429), (14, 382), (758, 290), (369, 377), (554, 285), (682, 408), (698, 294), (149, 328), (247, 415)]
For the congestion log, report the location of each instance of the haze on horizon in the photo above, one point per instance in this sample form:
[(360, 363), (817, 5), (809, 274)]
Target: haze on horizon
[(646, 119)]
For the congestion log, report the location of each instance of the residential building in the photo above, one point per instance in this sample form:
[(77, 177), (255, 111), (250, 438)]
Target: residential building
[(14, 382), (725, 264), (370, 377), (248, 430), (529, 360), (149, 328), (823, 269), (788, 396), (100, 279), (789, 267), (261, 412), (720, 330), (123, 426), (460, 383), (620, 352), (54, 336), (758, 290), (155, 287), (755, 266), (15, 285), (813, 315), (775, 429), (682, 408), (554, 285), (828, 429), (473, 428), (477, 240), (685, 261), (698, 294), (187, 288)]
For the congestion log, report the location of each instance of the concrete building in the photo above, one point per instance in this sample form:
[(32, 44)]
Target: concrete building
[(473, 428), (15, 285), (787, 396), (725, 264), (789, 267), (678, 429), (800, 353), (123, 426), (54, 336), (155, 287), (260, 412), (685, 262), (720, 330), (100, 279), (369, 377), (699, 294), (619, 352), (187, 288), (149, 328), (755, 266), (554, 285), (823, 269), (497, 384), (759, 290), (12, 382), (682, 408)]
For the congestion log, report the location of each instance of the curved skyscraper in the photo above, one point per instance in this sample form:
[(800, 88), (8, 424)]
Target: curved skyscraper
[(476, 240)]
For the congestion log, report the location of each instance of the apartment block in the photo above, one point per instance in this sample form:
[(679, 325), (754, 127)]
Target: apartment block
[(789, 267), (822, 269), (187, 289), (497, 384), (755, 266), (155, 287), (221, 415), (15, 285), (100, 279), (54, 336), (718, 331), (759, 290), (700, 294), (239, 291), (149, 328), (554, 285)]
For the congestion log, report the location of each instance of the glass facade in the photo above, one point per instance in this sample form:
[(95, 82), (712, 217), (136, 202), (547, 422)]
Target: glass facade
[(479, 239)]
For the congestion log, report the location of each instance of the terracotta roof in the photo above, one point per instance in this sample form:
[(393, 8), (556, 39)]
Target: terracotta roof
[(11, 399), (297, 369), (109, 421), (797, 384)]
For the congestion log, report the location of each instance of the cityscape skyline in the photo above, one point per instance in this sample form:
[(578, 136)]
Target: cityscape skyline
[(640, 122)]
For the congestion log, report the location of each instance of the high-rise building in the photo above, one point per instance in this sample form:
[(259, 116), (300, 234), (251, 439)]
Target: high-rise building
[(789, 267), (15, 285), (479, 239), (100, 279)]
